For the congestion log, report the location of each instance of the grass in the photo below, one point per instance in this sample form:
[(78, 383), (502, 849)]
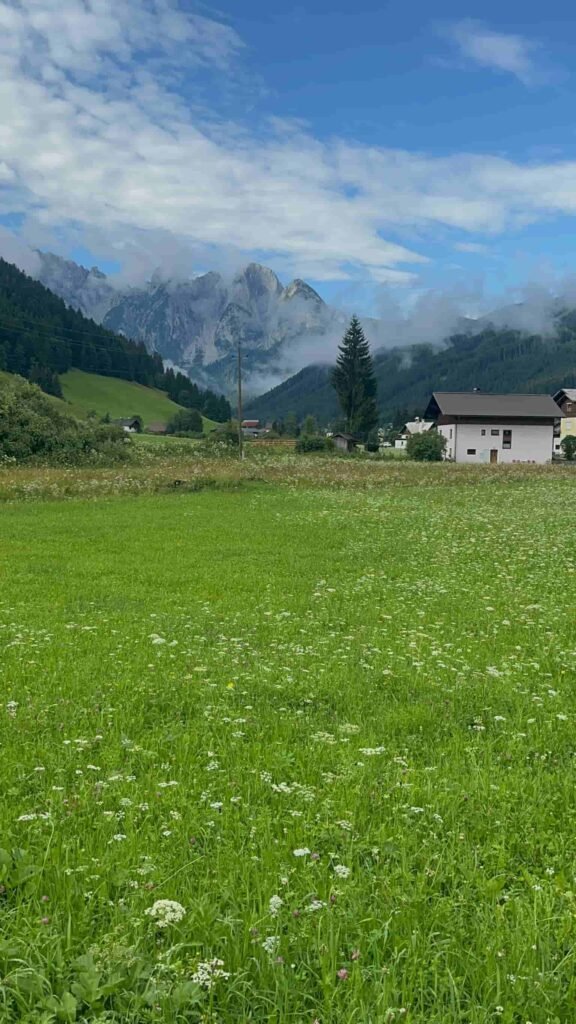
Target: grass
[(330, 714), (88, 392)]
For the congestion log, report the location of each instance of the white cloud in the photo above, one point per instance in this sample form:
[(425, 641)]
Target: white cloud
[(496, 50), (472, 247), (100, 142)]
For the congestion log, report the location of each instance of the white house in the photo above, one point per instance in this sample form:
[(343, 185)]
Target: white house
[(416, 426), (479, 427), (566, 400)]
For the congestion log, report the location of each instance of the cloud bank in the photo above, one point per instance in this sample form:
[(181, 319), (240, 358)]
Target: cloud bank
[(106, 141)]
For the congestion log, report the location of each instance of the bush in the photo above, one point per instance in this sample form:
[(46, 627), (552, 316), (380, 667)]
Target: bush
[(314, 443), (187, 421), (568, 445), (426, 447), (33, 427)]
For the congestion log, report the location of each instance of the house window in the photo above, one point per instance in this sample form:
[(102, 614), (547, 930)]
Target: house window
[(471, 451), (450, 433), (483, 432), (495, 433), (506, 438)]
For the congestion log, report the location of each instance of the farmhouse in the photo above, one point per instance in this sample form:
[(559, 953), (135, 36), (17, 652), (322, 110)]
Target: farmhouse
[(479, 427), (566, 401), (344, 442), (132, 425), (416, 426)]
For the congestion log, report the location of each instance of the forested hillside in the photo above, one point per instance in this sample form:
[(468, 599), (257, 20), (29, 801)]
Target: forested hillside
[(41, 338), (496, 360)]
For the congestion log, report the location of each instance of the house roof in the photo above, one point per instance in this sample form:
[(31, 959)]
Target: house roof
[(569, 393), (347, 437), (419, 426), (479, 404)]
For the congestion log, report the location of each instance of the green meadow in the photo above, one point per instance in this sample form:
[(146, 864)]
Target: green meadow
[(331, 720)]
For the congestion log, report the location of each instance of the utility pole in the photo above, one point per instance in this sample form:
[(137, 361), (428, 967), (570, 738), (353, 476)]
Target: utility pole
[(240, 434)]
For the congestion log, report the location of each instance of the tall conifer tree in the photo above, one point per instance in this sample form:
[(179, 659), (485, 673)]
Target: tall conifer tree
[(354, 381)]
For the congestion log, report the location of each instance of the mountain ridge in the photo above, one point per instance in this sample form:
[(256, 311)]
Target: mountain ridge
[(492, 359), (196, 324)]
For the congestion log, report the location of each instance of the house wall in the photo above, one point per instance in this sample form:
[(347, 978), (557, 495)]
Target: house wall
[(531, 442), (568, 426)]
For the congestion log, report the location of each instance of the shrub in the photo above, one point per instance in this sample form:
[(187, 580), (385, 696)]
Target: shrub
[(568, 445), (314, 443), (426, 447), (34, 427), (187, 421)]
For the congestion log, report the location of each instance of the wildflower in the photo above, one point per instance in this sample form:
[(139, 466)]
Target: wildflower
[(342, 974), (301, 852), (270, 944), (208, 972), (341, 871), (119, 837), (315, 905), (276, 902), (165, 912)]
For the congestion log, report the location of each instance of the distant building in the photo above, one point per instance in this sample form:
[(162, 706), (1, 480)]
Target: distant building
[(566, 401), (132, 425), (344, 442), (156, 428), (416, 426), (252, 428), (479, 427)]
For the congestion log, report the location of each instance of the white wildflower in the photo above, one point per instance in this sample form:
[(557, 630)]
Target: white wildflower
[(208, 972), (270, 944), (341, 871), (165, 912), (315, 905), (276, 902), (302, 851)]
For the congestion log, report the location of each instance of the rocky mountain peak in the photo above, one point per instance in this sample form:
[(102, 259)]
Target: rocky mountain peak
[(298, 289), (258, 280), (197, 322)]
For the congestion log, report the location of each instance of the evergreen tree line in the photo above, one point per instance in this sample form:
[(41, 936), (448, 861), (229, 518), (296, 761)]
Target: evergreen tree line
[(41, 338), (498, 360)]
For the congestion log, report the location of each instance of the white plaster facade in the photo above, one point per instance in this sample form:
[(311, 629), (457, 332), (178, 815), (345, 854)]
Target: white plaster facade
[(475, 441)]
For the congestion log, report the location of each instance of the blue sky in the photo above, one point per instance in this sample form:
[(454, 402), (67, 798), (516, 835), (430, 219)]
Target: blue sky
[(361, 145)]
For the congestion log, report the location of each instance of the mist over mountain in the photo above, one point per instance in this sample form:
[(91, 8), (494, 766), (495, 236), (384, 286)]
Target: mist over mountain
[(289, 334), (196, 324), (497, 359)]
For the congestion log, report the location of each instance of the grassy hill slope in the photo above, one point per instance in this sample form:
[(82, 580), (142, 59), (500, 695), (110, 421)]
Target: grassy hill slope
[(120, 398)]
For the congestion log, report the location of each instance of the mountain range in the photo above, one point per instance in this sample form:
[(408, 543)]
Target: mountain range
[(196, 324)]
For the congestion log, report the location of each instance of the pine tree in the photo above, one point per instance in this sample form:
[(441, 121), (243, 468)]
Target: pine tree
[(354, 381)]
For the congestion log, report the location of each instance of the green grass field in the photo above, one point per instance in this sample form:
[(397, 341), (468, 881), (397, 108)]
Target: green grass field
[(335, 724), (89, 392)]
